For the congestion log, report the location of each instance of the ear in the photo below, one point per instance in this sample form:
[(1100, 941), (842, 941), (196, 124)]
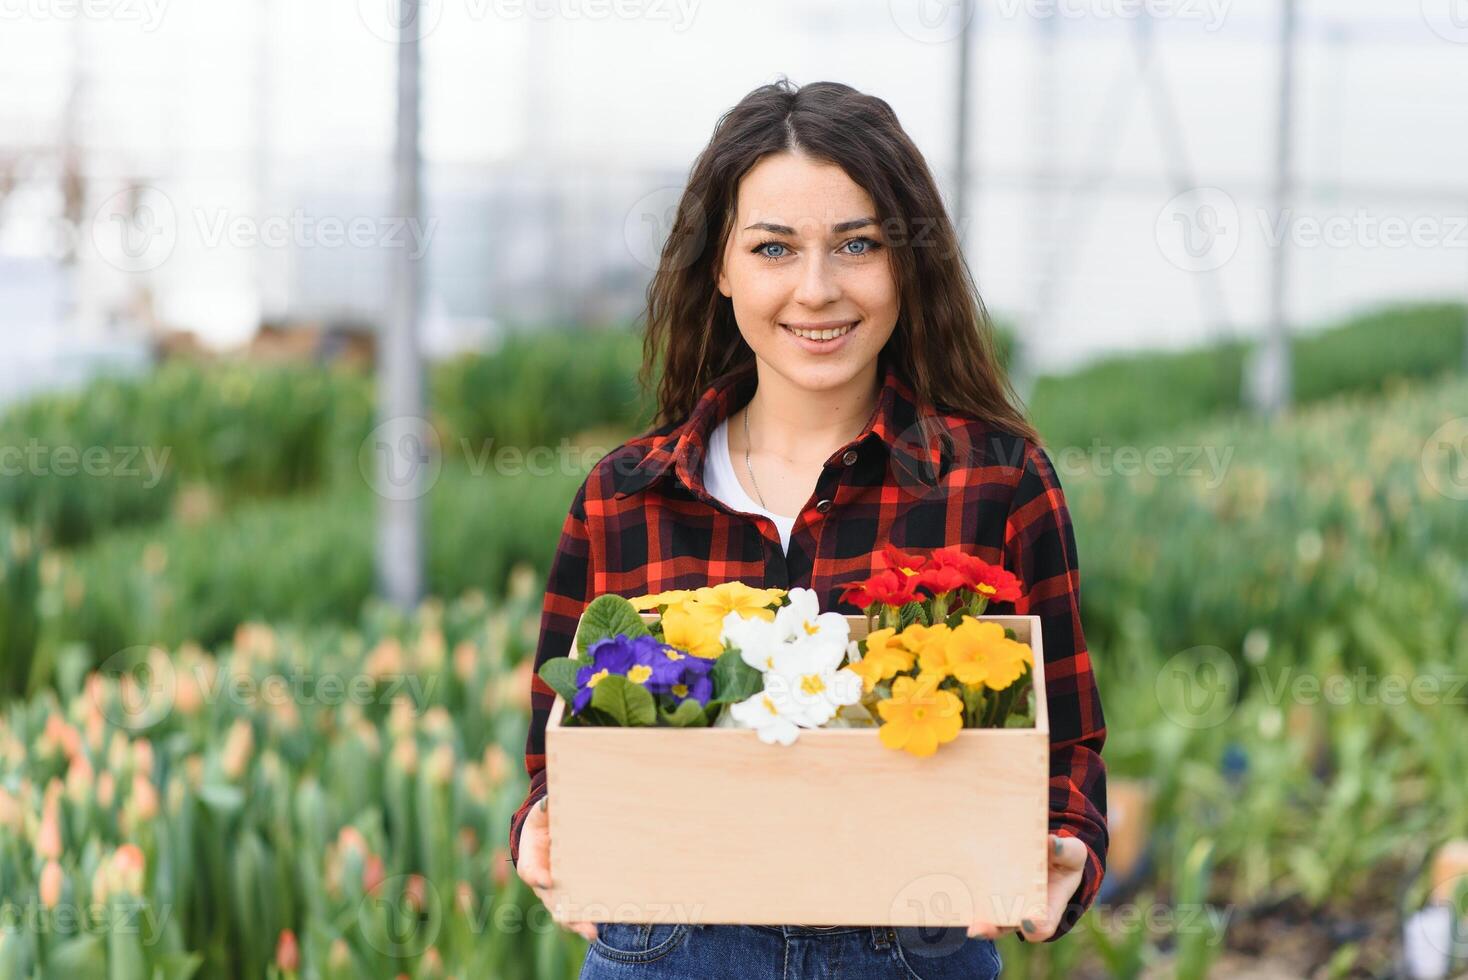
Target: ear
[(722, 279)]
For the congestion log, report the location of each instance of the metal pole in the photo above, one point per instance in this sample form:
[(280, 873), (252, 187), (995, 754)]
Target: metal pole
[(399, 372), (960, 130), (1271, 369)]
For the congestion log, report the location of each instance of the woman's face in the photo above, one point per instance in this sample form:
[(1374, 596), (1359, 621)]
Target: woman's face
[(806, 253)]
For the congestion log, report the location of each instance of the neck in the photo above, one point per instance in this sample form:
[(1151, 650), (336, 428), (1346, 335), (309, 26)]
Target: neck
[(801, 425)]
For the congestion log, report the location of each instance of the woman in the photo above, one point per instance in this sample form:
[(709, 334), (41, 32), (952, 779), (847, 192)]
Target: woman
[(829, 386)]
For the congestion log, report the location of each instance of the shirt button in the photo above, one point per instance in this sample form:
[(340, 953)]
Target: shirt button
[(823, 505), (849, 458)]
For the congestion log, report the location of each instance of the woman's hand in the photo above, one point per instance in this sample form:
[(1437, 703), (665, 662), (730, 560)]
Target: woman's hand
[(534, 863), (1067, 861)]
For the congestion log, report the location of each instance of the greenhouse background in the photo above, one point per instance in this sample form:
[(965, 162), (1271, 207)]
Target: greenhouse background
[(1225, 243)]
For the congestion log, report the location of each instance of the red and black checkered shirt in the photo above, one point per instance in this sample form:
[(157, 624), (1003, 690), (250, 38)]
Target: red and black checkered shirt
[(642, 522)]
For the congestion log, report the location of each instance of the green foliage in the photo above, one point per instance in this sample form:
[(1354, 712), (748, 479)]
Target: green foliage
[(240, 803), (608, 616), (1137, 396), (541, 387), (623, 702), (560, 674), (305, 560)]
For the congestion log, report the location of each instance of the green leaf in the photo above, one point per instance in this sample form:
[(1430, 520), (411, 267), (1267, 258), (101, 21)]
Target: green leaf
[(911, 613), (222, 798), (688, 714), (1019, 721), (627, 703), (125, 957), (560, 674), (608, 615), (85, 956), (735, 680), (177, 966)]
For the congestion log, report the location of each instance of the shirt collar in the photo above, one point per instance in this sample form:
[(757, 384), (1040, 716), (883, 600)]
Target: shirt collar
[(895, 425)]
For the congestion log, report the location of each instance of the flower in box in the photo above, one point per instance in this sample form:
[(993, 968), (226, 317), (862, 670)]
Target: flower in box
[(928, 666), (772, 658), (657, 666), (799, 655)]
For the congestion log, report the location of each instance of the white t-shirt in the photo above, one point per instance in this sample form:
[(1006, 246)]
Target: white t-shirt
[(720, 481)]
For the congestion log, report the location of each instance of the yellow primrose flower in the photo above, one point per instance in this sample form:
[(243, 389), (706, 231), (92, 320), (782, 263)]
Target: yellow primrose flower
[(918, 637), (934, 654), (883, 658), (650, 602), (979, 653), (749, 603), (918, 717), (692, 626)]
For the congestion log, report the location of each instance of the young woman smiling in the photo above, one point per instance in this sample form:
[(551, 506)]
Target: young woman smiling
[(829, 386)]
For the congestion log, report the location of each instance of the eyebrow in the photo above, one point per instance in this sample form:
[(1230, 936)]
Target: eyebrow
[(837, 229)]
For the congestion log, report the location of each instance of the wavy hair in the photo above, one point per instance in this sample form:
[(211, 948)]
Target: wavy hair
[(943, 345)]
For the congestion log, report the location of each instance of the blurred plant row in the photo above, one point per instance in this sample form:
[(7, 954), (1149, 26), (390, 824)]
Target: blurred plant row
[(1284, 664), (189, 440), (325, 803)]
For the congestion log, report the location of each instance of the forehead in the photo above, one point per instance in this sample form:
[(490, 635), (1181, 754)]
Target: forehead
[(808, 195)]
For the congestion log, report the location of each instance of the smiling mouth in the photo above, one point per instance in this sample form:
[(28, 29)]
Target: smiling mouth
[(822, 335)]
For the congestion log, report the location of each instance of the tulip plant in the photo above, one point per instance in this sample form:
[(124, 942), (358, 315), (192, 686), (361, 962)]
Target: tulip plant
[(328, 805)]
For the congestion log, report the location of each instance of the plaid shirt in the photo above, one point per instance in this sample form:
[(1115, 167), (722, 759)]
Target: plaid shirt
[(642, 522)]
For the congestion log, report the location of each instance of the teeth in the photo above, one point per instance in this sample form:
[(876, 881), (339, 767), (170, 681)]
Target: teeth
[(821, 334)]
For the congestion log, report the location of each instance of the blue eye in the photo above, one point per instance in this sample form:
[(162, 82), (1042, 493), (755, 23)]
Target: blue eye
[(760, 250), (872, 246)]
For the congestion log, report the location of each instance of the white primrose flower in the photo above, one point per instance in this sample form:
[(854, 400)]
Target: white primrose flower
[(754, 638), (763, 643), (801, 691), (803, 618), (761, 713), (799, 654)]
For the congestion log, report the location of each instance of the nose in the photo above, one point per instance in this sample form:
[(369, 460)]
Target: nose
[(818, 284)]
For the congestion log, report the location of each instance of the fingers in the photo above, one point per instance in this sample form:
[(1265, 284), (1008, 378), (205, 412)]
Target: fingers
[(586, 930), (1036, 932), (1067, 853)]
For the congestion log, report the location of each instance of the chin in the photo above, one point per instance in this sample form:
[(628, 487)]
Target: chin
[(825, 377)]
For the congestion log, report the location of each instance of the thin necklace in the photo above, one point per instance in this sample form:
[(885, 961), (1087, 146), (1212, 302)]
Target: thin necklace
[(746, 461), (751, 468)]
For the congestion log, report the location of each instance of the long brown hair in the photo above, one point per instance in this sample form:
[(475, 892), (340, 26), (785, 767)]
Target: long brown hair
[(943, 345)]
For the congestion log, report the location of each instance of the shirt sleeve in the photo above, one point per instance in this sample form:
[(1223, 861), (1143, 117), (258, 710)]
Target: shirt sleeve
[(567, 590), (1040, 548)]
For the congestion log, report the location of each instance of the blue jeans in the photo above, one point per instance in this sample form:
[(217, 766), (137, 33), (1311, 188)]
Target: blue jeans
[(661, 951)]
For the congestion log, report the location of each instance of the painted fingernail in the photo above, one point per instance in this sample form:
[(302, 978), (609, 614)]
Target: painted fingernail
[(1026, 925), (1055, 846)]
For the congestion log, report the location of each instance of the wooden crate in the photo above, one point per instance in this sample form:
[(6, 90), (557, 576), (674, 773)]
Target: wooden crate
[(712, 825)]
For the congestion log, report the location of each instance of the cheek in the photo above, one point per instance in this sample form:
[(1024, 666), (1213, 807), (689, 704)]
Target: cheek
[(874, 290), (757, 296)]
